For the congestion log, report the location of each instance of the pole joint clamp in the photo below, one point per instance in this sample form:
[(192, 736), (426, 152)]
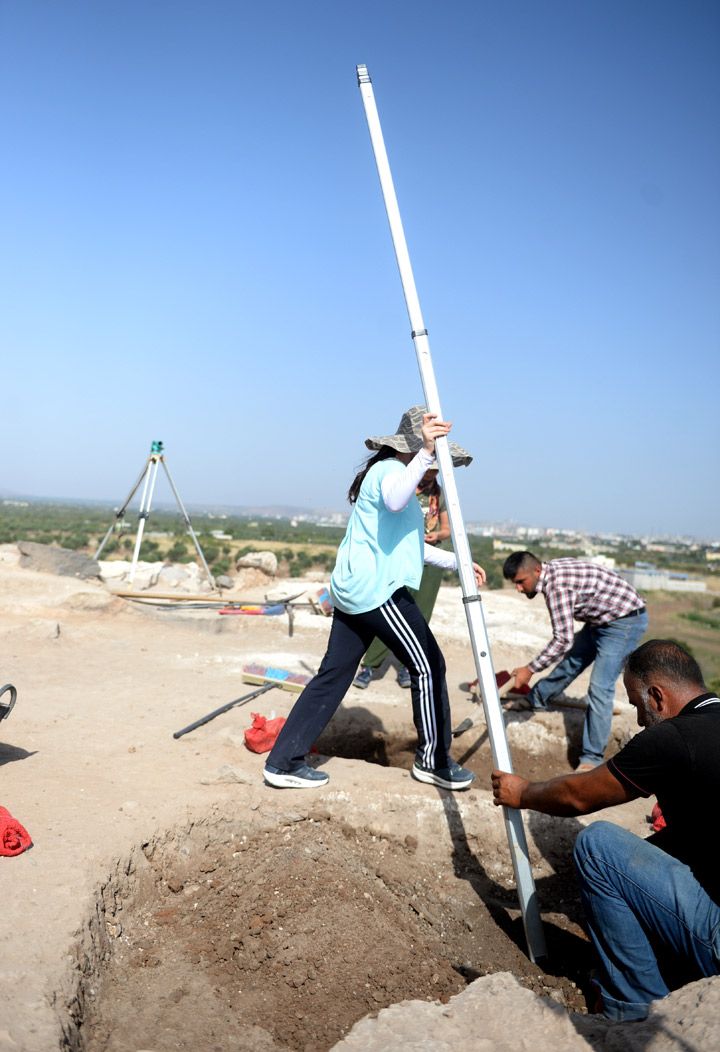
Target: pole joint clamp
[(472, 598), (419, 332)]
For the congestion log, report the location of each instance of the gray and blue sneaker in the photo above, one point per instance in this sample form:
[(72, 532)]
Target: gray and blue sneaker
[(453, 777), (363, 679), (300, 777), (403, 678)]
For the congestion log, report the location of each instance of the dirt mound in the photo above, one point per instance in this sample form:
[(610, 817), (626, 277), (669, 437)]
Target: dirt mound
[(287, 938)]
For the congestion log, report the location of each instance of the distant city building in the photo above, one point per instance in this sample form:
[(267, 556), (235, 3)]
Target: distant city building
[(603, 560), (504, 546), (646, 578)]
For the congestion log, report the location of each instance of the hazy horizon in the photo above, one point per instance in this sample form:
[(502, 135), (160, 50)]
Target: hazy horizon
[(168, 504)]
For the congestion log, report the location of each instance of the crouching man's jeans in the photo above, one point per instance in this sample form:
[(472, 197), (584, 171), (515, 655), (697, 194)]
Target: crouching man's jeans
[(637, 897), (605, 647)]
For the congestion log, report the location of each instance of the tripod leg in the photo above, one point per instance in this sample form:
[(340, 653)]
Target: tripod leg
[(144, 513), (188, 525), (119, 515)]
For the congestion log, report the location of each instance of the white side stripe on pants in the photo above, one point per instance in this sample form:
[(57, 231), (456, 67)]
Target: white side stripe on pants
[(404, 632)]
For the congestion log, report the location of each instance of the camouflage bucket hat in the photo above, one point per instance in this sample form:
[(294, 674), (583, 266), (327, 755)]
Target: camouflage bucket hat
[(408, 438)]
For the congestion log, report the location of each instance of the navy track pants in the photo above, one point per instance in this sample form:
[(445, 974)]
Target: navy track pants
[(403, 629)]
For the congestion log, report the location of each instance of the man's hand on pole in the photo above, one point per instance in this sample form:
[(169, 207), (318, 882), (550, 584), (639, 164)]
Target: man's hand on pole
[(480, 575), (507, 789), (522, 676)]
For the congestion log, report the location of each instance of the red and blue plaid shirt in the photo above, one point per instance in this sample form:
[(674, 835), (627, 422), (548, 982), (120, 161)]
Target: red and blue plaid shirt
[(580, 591)]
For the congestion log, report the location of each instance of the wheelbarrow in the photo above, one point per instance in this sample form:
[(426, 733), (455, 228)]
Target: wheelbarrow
[(6, 705)]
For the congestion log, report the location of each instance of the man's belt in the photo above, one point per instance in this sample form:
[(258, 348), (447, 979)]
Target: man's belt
[(633, 613)]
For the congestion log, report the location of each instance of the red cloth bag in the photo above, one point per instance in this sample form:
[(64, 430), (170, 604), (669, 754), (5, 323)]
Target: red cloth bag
[(657, 819), (14, 838), (261, 736)]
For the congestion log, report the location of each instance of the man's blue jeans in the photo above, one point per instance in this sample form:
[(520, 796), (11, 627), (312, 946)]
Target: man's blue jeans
[(639, 900), (606, 646)]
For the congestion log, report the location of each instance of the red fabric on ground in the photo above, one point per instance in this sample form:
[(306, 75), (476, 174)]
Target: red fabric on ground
[(657, 819), (261, 736), (14, 838)]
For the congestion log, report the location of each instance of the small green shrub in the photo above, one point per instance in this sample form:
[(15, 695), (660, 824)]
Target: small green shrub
[(75, 541), (698, 618)]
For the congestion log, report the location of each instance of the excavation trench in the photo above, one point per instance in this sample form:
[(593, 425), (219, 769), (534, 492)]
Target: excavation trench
[(541, 745), (283, 937)]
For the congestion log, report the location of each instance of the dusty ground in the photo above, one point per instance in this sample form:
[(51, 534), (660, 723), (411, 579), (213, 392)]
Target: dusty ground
[(173, 901)]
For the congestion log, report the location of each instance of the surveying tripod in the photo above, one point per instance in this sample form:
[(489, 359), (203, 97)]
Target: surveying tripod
[(149, 474)]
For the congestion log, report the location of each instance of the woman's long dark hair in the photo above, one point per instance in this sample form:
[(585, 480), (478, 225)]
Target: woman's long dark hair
[(384, 453)]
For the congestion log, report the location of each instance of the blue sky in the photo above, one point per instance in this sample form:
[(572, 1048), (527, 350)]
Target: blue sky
[(196, 249)]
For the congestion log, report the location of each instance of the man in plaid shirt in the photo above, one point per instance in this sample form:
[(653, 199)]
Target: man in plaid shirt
[(615, 621)]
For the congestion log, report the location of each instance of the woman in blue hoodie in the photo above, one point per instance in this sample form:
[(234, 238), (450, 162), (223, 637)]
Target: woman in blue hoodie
[(380, 557)]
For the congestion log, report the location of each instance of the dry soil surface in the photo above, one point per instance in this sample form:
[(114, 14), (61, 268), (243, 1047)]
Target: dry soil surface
[(172, 901)]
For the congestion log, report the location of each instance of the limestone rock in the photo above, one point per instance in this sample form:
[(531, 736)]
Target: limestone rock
[(99, 600), (145, 578), (173, 576), (476, 1020), (265, 561), (48, 559), (37, 628), (10, 556), (228, 773), (117, 573), (688, 1018), (113, 569)]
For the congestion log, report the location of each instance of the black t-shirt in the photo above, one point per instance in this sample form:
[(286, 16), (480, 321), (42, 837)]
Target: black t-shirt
[(678, 761)]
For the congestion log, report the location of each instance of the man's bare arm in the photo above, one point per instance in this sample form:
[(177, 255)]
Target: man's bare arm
[(572, 794)]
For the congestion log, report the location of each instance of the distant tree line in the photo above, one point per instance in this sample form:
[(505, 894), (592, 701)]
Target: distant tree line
[(82, 526)]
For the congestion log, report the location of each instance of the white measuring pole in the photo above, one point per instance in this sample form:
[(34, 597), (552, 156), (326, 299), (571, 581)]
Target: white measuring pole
[(471, 598)]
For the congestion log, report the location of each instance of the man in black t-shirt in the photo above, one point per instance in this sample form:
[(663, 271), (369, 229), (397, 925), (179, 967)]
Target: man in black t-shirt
[(653, 906)]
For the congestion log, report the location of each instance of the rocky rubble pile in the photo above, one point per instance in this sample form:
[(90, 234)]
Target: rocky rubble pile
[(181, 577)]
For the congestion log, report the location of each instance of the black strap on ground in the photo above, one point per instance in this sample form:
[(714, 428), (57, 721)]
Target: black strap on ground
[(224, 708)]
